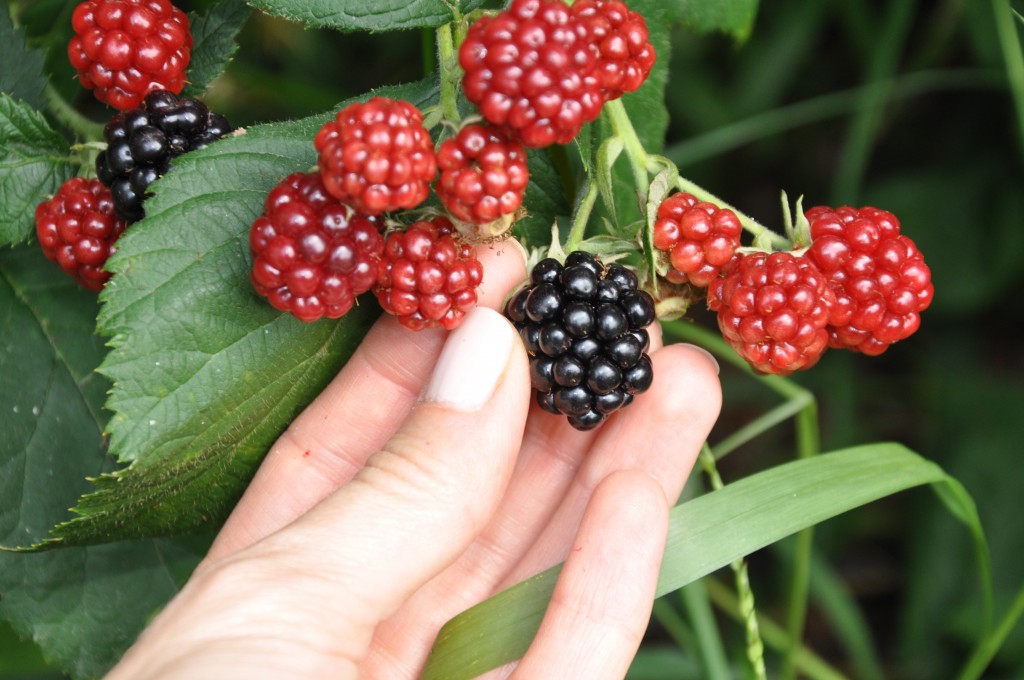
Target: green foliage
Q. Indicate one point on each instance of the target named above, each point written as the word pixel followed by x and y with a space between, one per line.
pixel 214 44
pixel 21 68
pixel 34 162
pixel 362 15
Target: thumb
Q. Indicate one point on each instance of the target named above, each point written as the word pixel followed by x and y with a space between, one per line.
pixel 420 501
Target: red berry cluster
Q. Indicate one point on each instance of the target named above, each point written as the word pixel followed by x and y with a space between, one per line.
pixel 77 229
pixel 319 242
pixel 698 237
pixel 125 49
pixel 541 69
pixel 861 285
pixel 878 275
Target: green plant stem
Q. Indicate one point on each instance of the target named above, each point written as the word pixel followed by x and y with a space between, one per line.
pixel 709 642
pixel 581 217
pixel 755 646
pixel 634 148
pixel 777 241
pixel 450 72
pixel 991 643
pixel 759 425
pixel 809 663
pixel 860 139
pixel 808 444
pixel 83 127
pixel 1012 55
pixel 666 615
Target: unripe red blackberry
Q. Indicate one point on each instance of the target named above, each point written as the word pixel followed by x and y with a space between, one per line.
pixel 483 175
pixel 773 309
pixel 427 277
pixel 141 144
pixel 532 71
pixel 124 49
pixel 77 229
pixel 377 156
pixel 583 326
pixel 879 277
pixel 312 254
pixel 698 237
pixel 625 55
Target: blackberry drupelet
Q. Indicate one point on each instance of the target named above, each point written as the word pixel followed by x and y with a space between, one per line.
pixel 142 142
pixel 583 325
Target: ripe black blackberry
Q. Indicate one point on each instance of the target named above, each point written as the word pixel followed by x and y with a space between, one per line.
pixel 142 142
pixel 583 327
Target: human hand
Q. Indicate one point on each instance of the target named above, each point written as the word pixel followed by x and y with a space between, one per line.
pixel 422 481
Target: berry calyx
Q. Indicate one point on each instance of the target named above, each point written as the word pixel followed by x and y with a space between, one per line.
pixel 583 326
pixel 698 237
pixel 625 55
pixel 427 277
pixel 483 177
pixel 532 70
pixel 377 156
pixel 124 49
pixel 77 229
pixel 141 144
pixel 879 277
pixel 312 254
pixel 773 309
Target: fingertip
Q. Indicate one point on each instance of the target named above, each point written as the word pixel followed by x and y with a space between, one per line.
pixel 504 266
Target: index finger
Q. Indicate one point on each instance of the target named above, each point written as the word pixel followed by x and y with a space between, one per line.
pixel 354 416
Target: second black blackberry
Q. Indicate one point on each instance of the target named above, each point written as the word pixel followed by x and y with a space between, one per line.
pixel 142 142
pixel 583 325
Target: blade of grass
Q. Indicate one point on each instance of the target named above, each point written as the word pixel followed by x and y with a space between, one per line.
pixel 990 644
pixel 709 642
pixel 885 51
pixel 817 109
pixel 705 534
pixel 1009 42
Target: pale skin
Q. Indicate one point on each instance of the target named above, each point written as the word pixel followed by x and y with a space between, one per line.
pixel 421 482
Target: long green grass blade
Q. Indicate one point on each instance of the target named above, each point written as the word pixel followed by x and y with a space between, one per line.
pixel 705 534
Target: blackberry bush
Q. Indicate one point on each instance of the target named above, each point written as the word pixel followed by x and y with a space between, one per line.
pixel 148 407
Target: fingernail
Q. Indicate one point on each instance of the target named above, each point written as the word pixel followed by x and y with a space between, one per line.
pixel 519 248
pixel 472 361
pixel 709 355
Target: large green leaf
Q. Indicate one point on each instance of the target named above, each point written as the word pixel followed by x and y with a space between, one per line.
pixel 706 534
pixel 206 373
pixel 34 162
pixel 214 45
pixel 21 68
pixel 366 15
pixel 82 606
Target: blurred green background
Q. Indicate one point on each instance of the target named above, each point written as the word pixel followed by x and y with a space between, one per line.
pixel 905 105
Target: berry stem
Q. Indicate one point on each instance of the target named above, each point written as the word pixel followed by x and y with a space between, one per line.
pixel 634 148
pixel 581 218
pixel 751 225
pixel 66 114
pixel 447 59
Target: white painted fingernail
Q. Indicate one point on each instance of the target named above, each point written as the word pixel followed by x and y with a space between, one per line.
pixel 472 361
pixel 709 355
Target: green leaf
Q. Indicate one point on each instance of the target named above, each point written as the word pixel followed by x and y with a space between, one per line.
pixel 213 46
pixel 705 534
pixel 360 15
pixel 21 68
pixel 34 162
pixel 734 17
pixel 82 606
pixel 544 201
pixel 206 373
